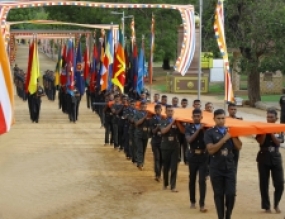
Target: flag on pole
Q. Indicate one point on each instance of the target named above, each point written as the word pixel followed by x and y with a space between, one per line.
pixel 80 78
pixel 104 67
pixel 58 65
pixel 109 52
pixel 63 77
pixel 70 66
pixel 35 70
pixel 133 34
pixel 31 51
pixel 150 62
pixel 219 28
pixel 141 71
pixel 120 64
pixel 86 59
pixel 6 91
pixel 134 67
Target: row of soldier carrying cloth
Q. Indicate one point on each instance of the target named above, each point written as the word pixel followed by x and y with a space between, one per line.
pixel 209 152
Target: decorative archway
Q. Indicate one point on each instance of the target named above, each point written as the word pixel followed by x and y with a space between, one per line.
pixel 186 11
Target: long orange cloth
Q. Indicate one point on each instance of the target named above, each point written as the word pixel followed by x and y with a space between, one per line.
pixel 236 127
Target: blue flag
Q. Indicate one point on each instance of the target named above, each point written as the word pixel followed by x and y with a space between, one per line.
pixel 80 84
pixel 141 72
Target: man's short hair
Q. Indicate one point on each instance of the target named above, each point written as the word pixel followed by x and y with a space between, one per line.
pixel 196 101
pixel 168 107
pixel 184 100
pixel 231 105
pixel 219 112
pixel 272 111
pixel 158 106
pixel 163 96
pixel 196 111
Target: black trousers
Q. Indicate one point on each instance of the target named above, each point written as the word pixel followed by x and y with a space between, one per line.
pixel 170 159
pixel 126 141
pixel 157 159
pixel 200 168
pixel 183 148
pixel 108 130
pixel 278 183
pixel 224 187
pixel 141 144
pixel 36 109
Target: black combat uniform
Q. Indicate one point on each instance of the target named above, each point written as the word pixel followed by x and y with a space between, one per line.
pixel 156 145
pixel 222 172
pixel 132 139
pixel 198 163
pixel 126 112
pixel 269 160
pixel 78 99
pixel 141 136
pixel 183 146
pixel 170 153
pixel 118 109
pixel 282 105
pixel 36 104
pixel 108 124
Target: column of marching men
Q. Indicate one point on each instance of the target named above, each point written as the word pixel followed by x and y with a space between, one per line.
pixel 209 152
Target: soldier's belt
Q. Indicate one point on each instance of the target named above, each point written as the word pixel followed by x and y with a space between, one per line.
pixel 144 128
pixel 270 149
pixel 197 151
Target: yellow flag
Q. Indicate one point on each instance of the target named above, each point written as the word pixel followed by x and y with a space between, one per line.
pixel 35 71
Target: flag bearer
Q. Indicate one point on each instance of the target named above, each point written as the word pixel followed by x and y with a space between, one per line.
pixel 109 120
pixel 117 110
pixel 36 103
pixel 132 138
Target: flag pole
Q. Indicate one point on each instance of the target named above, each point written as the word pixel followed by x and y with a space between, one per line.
pixel 200 51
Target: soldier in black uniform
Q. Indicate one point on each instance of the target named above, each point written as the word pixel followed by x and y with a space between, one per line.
pixel 197 104
pixel 78 99
pixel 108 120
pixel 169 149
pixel 197 158
pixel 141 133
pixel 121 124
pixel 156 142
pixel 209 107
pixel 36 103
pixel 126 112
pixel 232 110
pixel 163 101
pixel 282 106
pixel 132 138
pixel 117 110
pixel 269 160
pixel 184 103
pixel 222 167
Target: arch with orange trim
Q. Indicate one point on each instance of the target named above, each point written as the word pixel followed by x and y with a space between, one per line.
pixel 186 11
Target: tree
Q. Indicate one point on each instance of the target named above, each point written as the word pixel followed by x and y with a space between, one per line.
pixel 257 29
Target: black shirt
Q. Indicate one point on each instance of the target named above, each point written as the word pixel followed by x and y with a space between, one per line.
pixel 169 139
pixel 223 158
pixel 154 122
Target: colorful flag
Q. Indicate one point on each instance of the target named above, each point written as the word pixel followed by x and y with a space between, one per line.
pixel 35 70
pixel 141 71
pixel 6 91
pixel 86 59
pixel 58 65
pixel 134 67
pixel 31 51
pixel 152 39
pixel 109 52
pixel 63 76
pixel 70 66
pixel 93 76
pixel 220 35
pixel 80 78
pixel 120 64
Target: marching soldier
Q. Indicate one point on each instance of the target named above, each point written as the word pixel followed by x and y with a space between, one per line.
pixel 132 138
pixel 117 110
pixel 197 158
pixel 184 103
pixel 232 110
pixel 169 149
pixel 197 104
pixel 220 144
pixel 78 99
pixel 36 103
pixel 156 142
pixel 126 112
pixel 109 120
pixel 122 121
pixel 163 101
pixel 209 107
pixel 141 133
pixel 269 160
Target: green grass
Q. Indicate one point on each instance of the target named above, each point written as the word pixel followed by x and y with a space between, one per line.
pixel 161 87
pixel 264 98
pixel 216 89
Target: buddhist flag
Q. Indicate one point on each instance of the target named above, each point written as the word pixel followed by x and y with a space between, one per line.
pixel 35 71
pixel 6 91
pixel 120 64
pixel 31 51
pixel 221 40
pixel 109 52
pixel 58 66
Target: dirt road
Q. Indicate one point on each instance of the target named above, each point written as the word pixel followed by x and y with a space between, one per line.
pixel 55 169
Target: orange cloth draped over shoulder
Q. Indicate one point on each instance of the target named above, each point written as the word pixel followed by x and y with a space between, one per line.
pixel 236 127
